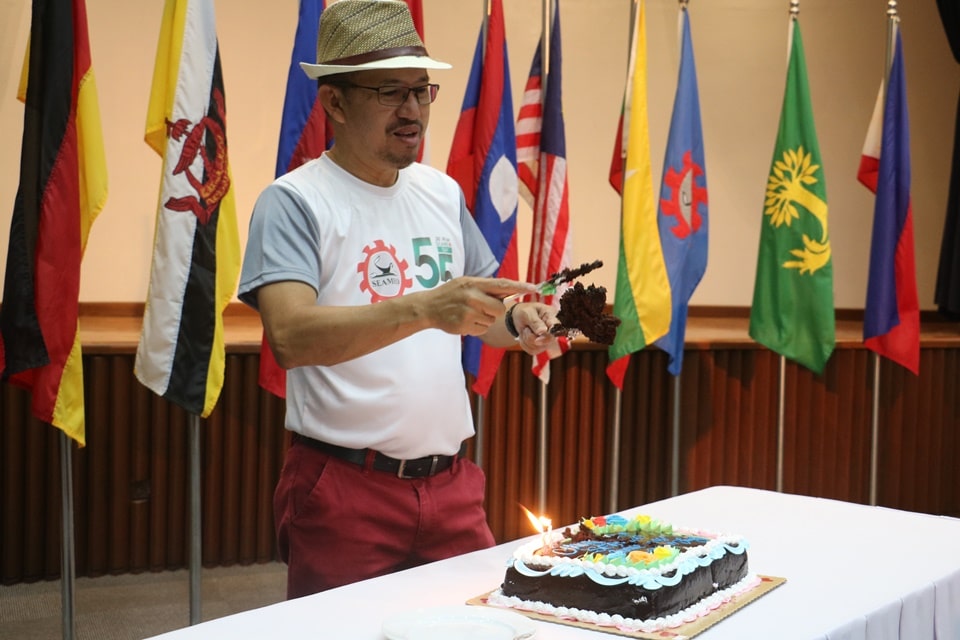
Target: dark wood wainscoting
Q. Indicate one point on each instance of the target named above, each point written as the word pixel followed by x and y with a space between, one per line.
pixel 131 479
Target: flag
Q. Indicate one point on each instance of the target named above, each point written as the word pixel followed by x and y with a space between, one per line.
pixel 196 254
pixel 682 215
pixel 304 132
pixel 947 291
pixel 63 187
pixel 529 127
pixel 792 311
pixel 542 170
pixel 416 12
pixel 304 135
pixel 642 298
pixel 891 318
pixel 483 160
pixel 616 162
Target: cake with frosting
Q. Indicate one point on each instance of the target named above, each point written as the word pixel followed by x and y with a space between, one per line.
pixel 635 574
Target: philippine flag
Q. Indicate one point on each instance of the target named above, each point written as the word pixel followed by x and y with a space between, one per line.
pixel 891 320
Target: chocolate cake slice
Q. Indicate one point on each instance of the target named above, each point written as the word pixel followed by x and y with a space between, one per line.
pixel 582 309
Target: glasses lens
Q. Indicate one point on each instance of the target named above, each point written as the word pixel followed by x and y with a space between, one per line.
pixel 396 96
pixel 429 94
pixel 392 96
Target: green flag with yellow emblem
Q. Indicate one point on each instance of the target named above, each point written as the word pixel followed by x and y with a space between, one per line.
pixel 792 310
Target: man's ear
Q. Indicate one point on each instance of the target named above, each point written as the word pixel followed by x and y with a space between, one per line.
pixel 331 98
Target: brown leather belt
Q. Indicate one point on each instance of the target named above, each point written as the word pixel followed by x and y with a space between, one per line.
pixel 413 468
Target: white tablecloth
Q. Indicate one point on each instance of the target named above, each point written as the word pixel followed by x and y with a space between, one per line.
pixel 853 573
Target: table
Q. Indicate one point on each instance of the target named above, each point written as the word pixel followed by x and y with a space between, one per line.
pixel 854 572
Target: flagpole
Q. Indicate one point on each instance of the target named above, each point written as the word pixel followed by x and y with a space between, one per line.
pixel 67 549
pixel 615 452
pixel 542 450
pixel 480 411
pixel 487 8
pixel 617 426
pixel 675 455
pixel 893 20
pixel 545 8
pixel 675 448
pixel 875 430
pixel 781 386
pixel 195 536
pixel 781 393
pixel 478 440
pixel 542 432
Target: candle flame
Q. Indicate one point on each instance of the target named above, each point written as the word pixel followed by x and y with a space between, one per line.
pixel 541 523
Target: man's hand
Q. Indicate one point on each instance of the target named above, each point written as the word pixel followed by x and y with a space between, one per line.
pixel 533 321
pixel 470 306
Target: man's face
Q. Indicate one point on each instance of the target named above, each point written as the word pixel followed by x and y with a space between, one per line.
pixel 386 135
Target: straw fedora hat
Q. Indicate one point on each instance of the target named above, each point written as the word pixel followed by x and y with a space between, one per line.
pixel 356 35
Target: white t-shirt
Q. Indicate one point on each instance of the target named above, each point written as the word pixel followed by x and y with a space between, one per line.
pixel 356 243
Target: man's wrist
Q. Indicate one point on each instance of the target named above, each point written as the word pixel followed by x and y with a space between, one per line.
pixel 508 323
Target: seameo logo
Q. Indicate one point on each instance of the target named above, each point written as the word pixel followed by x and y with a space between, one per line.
pixel 383 275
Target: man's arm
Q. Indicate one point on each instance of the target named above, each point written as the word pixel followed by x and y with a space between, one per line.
pixel 302 333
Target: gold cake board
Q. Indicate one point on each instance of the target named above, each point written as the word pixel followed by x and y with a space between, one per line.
pixel 686 630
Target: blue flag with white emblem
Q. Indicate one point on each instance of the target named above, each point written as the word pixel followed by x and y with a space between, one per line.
pixel 483 161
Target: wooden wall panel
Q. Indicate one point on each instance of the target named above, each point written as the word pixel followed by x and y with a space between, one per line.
pixel 509 441
pixel 920 434
pixel 646 415
pixel 827 428
pixel 130 482
pixel 728 419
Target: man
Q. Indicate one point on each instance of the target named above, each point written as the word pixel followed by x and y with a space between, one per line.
pixel 367 270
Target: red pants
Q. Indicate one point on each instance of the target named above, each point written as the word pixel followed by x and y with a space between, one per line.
pixel 338 522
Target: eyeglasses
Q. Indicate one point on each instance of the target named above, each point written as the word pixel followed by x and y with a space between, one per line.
pixel 394 96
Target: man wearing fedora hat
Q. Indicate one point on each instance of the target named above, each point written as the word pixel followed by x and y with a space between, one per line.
pixel 367 269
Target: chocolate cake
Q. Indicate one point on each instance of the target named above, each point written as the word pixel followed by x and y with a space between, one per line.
pixel 638 574
pixel 582 309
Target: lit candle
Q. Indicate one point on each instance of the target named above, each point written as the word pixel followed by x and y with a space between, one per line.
pixel 546 526
pixel 542 524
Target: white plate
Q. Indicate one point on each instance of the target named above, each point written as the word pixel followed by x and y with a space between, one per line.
pixel 463 622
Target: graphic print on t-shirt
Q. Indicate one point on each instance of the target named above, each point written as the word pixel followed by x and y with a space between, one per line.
pixel 384 273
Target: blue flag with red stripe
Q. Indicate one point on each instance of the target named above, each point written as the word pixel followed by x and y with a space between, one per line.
pixel 682 212
pixel 300 99
pixel 483 160
pixel 304 135
pixel 891 318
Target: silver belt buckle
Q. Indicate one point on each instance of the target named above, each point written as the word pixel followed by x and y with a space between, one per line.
pixel 434 461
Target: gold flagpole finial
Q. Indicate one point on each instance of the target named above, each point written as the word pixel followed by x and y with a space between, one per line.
pixel 794 9
pixel 684 4
pixel 892 9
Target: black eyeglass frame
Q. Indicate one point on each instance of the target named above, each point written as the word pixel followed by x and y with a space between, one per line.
pixel 425 93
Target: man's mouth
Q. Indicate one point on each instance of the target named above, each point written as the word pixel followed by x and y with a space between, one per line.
pixel 409 132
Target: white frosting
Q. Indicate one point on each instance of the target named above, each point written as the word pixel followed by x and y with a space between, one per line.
pixel 698 610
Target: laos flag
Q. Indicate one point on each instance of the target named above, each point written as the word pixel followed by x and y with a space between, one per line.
pixel 483 160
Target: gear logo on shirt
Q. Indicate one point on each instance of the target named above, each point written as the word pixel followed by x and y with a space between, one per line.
pixel 383 274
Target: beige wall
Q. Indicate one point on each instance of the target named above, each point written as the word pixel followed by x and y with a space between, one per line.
pixel 741 55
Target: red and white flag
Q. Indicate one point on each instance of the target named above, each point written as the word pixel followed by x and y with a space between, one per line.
pixel 542 170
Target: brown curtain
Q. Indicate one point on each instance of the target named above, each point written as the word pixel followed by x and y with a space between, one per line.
pixel 947 295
